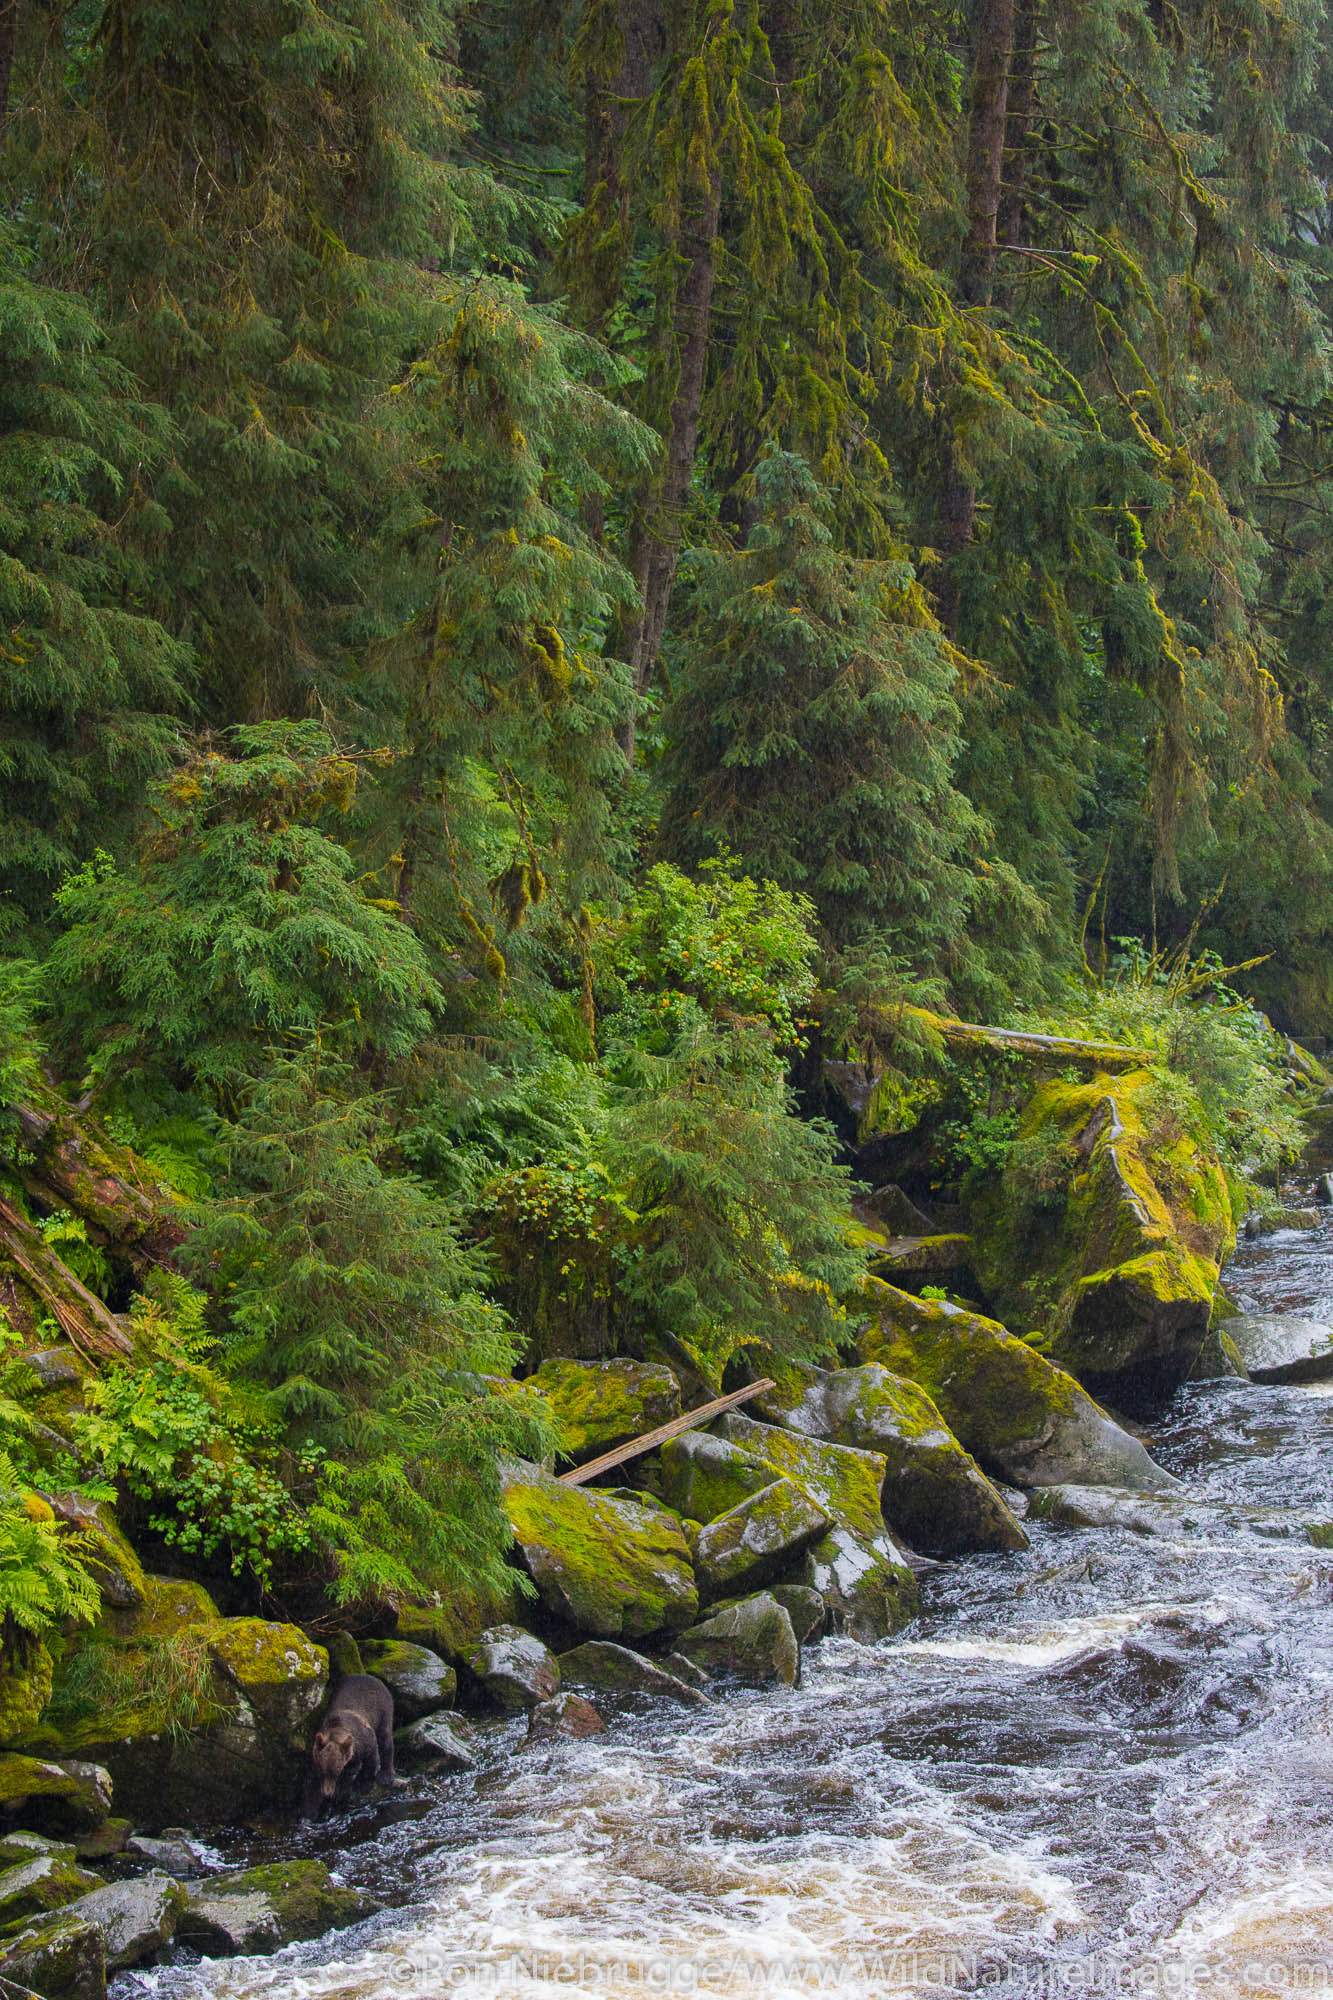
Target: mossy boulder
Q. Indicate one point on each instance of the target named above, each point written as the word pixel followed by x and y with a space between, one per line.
pixel 262 1909
pixel 33 1888
pixel 945 1255
pixel 20 1845
pixel 417 1678
pixel 752 1641
pixel 106 1551
pixel 846 1483
pixel 1105 1233
pixel 62 1957
pixel 137 1918
pixel 600 1404
pixel 280 1674
pixel 511 1669
pixel 623 1676
pixel 233 1742
pixel 934 1494
pixel 867 1588
pixel 754 1542
pixel 66 1795
pixel 25 1690
pixel 167 1604
pixel 1219 1358
pixel 1026 1420
pixel 703 1476
pixel 610 1566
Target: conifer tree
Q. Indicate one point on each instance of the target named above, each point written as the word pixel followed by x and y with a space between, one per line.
pixel 814 728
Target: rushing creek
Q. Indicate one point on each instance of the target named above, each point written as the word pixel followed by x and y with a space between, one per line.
pixel 1103 1766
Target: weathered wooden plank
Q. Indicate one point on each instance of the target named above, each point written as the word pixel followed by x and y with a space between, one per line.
pixel 637 1446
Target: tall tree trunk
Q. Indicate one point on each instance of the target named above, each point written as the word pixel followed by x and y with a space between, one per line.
pixel 9 21
pixel 985 180
pixel 1017 141
pixel 985 148
pixel 657 548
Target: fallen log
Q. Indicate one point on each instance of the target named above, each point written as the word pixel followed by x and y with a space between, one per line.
pixel 637 1446
pixel 971 1035
pixel 75 1167
pixel 81 1315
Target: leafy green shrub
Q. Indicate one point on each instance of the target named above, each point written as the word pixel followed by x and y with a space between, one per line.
pixel 205 1461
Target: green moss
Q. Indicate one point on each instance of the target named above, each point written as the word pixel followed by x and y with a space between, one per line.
pixel 755 1541
pixel 920 1255
pixel 846 1483
pixel 616 1568
pixel 25 1690
pixel 602 1404
pixel 704 1476
pixel 37 1887
pixel 169 1604
pixel 23 1778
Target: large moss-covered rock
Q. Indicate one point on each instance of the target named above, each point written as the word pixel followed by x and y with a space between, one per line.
pixel 600 1404
pixel 616 1673
pixel 417 1678
pixel 66 1794
pixel 106 1552
pixel 945 1255
pixel 237 1744
pixel 279 1672
pixel 754 1543
pixel 263 1909
pixel 137 1918
pixel 1105 1233
pixel 867 1589
pixel 512 1669
pixel 934 1493
pixel 613 1567
pixel 454 1620
pixel 1021 1416
pixel 62 1957
pixel 47 1882
pixel 845 1482
pixel 703 1476
pixel 752 1641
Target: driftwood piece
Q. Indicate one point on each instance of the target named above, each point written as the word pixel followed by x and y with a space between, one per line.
pixel 637 1446
pixel 84 1319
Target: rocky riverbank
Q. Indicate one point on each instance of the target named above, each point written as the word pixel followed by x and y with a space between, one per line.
pixel 1089 1265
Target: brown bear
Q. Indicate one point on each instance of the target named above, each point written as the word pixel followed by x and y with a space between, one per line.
pixel 356 1738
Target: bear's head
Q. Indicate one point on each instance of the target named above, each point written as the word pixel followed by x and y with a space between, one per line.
pixel 330 1753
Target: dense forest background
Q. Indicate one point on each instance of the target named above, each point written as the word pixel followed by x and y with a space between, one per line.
pixel 556 557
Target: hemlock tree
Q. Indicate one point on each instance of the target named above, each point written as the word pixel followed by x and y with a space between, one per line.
pixel 814 731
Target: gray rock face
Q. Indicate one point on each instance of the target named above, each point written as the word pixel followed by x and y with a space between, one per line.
pixel 753 1543
pixel 752 1641
pixel 868 1590
pixel 935 1494
pixel 1281 1347
pixel 804 1606
pixel 897 1212
pixel 437 1743
pixel 1071 1506
pixel 418 1679
pixel 175 1853
pixel 617 1672
pixel 263 1909
pixel 137 1918
pixel 61 1958
pixel 1219 1359
pixel 612 1567
pixel 566 1716
pixel 515 1670
pixel 46 1882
